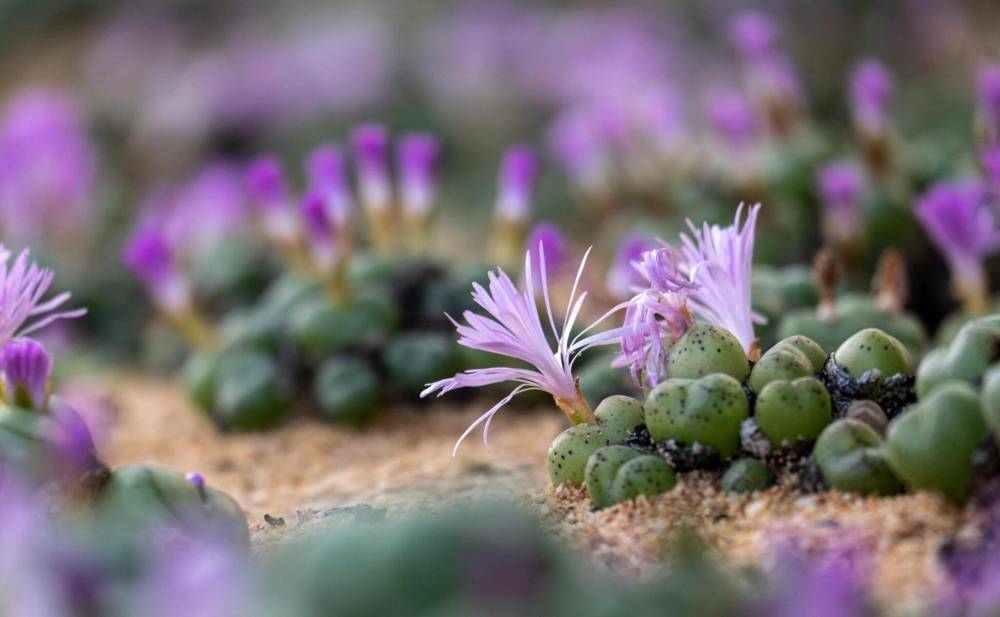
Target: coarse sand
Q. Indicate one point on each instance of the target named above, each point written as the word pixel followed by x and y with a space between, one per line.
pixel 308 471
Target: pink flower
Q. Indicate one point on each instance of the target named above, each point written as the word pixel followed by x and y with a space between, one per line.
pixel 26 369
pixel 709 277
pixel 513 328
pixel 623 277
pixel 22 286
pixel 719 261
pixel 956 217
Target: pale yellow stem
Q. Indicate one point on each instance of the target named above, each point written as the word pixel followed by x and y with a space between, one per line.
pixel 576 408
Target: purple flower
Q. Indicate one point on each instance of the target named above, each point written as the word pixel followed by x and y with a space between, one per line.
pixel 719 261
pixel 25 532
pixel 513 328
pixel 655 316
pixel 48 168
pixel 265 181
pixel 656 113
pixel 624 278
pixel 210 207
pixel 70 443
pixel 417 157
pixel 321 231
pixel 196 479
pixel 579 140
pixel 708 276
pixel 326 171
pixel 823 585
pixel 518 174
pixel 547 243
pixel 991 165
pixel 841 185
pixel 370 144
pixel 151 259
pixel 988 90
pixel 733 118
pixel 956 218
pixel 197 573
pixel 753 34
pixel 871 90
pixel 22 286
pixel 26 369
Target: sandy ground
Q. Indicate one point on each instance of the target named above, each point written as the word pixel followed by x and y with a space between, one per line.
pixel 308 470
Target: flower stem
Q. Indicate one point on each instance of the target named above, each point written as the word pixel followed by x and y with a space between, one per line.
pixel 381 224
pixel 507 241
pixel 576 408
pixel 194 328
pixel 972 291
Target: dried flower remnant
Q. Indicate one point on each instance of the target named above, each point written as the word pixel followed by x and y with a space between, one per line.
pixel 417 157
pixel 23 284
pixel 513 328
pixel 370 147
pixel 958 221
pixel 26 369
pixel 515 190
pixel 152 260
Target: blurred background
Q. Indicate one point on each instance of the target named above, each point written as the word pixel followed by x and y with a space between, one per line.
pixel 110 109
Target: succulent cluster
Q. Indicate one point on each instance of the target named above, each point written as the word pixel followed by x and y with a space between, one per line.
pixel 336 325
pixel 854 416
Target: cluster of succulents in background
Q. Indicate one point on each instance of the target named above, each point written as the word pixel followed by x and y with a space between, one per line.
pixel 354 321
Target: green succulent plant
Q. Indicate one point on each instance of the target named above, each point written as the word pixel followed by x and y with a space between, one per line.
pixel 930 447
pixel 251 392
pixel 990 399
pixel 412 360
pixel 706 349
pixel 570 450
pixel 966 358
pixel 850 314
pixel 784 361
pixel 746 475
pixel 347 390
pixel 144 495
pixel 602 469
pixel 619 413
pixel 850 456
pixel 790 410
pixel 320 329
pixel 873 349
pixel 708 410
pixel 643 475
